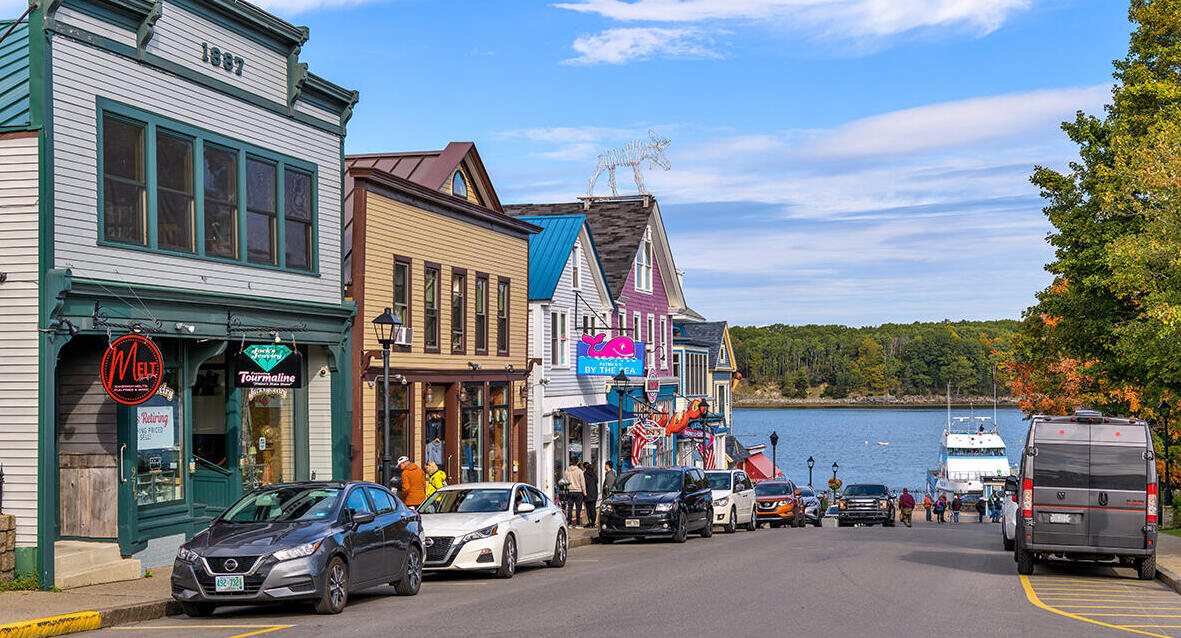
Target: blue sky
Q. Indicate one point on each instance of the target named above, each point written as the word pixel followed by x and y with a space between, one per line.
pixel 833 161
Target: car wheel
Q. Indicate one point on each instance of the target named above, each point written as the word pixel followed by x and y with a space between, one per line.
pixel 198 610
pixel 753 524
pixel 411 580
pixel 731 526
pixel 818 522
pixel 508 559
pixel 1009 543
pixel 682 532
pixel 1024 562
pixel 1146 567
pixel 336 588
pixel 708 530
pixel 889 522
pixel 560 547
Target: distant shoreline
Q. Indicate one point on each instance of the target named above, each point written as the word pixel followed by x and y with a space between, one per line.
pixel 873 402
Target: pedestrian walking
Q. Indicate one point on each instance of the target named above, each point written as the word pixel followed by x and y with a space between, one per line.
pixel 940 508
pixel 997 507
pixel 576 493
pixel 609 477
pixel 956 505
pixel 927 505
pixel 591 480
pixel 413 490
pixel 435 478
pixel 906 506
pixel 980 507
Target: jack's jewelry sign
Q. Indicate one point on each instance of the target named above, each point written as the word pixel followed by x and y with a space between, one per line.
pixel 268 366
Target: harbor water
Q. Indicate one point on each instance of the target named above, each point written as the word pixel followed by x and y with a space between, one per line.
pixel 850 436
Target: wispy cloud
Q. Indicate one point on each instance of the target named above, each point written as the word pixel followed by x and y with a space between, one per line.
pixel 620 46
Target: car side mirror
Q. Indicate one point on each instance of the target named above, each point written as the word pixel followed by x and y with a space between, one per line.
pixel 525 508
pixel 360 518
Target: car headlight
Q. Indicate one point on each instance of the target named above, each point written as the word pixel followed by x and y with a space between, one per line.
pixel 722 502
pixel 665 507
pixel 480 533
pixel 784 503
pixel 883 504
pixel 298 552
pixel 841 505
pixel 184 554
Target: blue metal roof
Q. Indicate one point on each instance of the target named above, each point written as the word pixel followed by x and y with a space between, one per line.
pixel 14 75
pixel 550 249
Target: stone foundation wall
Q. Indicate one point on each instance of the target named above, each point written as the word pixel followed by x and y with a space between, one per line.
pixel 7 547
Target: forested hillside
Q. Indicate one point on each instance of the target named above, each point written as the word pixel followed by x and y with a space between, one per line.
pixel 914 359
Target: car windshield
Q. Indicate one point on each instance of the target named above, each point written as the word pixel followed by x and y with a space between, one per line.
pixel 466 500
pixel 865 490
pixel 807 491
pixel 284 504
pixel 649 481
pixel 772 489
pixel 718 480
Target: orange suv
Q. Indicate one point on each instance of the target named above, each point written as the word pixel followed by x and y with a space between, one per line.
pixel 778 503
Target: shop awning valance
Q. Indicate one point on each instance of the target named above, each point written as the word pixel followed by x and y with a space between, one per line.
pixel 605 413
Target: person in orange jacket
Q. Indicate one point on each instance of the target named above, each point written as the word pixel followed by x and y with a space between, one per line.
pixel 413 490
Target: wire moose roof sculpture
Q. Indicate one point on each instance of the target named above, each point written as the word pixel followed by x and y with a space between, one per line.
pixel 633 154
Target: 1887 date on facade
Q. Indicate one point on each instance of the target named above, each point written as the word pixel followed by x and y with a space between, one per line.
pixel 223 59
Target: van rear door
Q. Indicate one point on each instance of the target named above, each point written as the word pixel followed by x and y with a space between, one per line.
pixel 1119 480
pixel 1061 483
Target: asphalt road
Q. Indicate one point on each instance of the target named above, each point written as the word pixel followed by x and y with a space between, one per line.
pixel 925 581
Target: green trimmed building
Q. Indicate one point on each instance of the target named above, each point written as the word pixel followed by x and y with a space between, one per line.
pixel 168 169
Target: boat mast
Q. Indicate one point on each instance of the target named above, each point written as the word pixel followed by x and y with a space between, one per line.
pixel 949 406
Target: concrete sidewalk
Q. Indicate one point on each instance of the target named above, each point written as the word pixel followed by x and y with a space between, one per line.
pixel 31 614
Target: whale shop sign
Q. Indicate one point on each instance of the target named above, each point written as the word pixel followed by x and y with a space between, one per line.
pixel 268 366
pixel 600 357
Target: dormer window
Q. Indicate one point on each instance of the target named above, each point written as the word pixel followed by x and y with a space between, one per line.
pixel 458 185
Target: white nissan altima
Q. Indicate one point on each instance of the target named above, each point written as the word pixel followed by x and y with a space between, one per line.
pixel 493 526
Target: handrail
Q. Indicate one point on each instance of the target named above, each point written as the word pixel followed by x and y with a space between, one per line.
pixel 213 466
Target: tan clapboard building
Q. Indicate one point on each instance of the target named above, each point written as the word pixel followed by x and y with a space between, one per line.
pixel 426 236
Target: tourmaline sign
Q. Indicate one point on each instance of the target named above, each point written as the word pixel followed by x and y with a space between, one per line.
pixel 268 366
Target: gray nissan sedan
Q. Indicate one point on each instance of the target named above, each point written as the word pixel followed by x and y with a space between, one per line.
pixel 315 541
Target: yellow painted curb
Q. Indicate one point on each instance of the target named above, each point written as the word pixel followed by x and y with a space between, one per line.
pixel 52 626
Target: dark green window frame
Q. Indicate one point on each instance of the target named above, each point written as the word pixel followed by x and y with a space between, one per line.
pixel 283 163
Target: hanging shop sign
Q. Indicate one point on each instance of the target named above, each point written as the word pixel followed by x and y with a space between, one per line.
pixel 652 386
pixel 599 357
pixel 268 366
pixel 132 369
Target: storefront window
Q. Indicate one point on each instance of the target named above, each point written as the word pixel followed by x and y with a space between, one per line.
pixel 574 446
pixel 158 425
pixel 209 413
pixel 399 421
pixel 434 426
pixel 268 417
pixel 560 455
pixel 471 436
pixel 498 430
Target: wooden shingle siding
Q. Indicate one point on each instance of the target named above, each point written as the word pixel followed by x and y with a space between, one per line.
pixel 18 332
pixel 75 18
pixel 179 34
pixel 319 416
pixel 79 71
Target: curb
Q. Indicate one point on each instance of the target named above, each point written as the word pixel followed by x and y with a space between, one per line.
pixel 90 620
pixel 1169 578
pixel 581 541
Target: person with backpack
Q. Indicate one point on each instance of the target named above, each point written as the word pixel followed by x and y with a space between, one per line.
pixel 956 505
pixel 940 508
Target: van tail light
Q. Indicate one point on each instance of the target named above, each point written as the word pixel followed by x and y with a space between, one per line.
pixel 1150 503
pixel 1027 498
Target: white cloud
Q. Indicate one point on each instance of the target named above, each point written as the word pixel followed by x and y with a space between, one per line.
pixel 566 134
pixel 620 46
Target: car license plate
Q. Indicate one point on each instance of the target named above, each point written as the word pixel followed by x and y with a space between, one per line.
pixel 228 584
pixel 632 522
pixel 1059 518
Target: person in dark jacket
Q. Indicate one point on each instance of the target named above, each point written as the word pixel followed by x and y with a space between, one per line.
pixel 592 493
pixel 980 509
pixel 956 505
pixel 906 506
pixel 609 478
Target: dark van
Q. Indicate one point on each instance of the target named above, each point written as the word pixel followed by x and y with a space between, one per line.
pixel 657 501
pixel 1087 490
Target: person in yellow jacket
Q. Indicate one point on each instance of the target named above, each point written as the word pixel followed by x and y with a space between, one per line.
pixel 435 478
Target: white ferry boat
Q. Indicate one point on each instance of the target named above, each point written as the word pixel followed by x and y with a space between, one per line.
pixel 970 451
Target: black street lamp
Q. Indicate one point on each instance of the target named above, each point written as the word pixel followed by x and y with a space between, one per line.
pixel 774 455
pixel 835 467
pixel 811 464
pixel 383 329
pixel 1163 411
pixel 621 386
pixel 703 410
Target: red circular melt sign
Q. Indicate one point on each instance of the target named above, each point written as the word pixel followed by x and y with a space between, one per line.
pixel 132 369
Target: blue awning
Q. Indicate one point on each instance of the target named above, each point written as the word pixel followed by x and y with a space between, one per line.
pixel 605 413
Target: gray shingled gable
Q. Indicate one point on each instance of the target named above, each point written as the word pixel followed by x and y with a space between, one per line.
pixel 711 332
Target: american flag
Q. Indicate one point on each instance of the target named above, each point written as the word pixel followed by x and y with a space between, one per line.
pixel 709 451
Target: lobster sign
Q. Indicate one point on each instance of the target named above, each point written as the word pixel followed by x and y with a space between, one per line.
pixel 598 356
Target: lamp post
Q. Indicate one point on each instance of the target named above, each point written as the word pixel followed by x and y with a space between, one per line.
pixel 811 464
pixel 703 409
pixel 835 467
pixel 774 455
pixel 383 329
pixel 621 386
pixel 1163 411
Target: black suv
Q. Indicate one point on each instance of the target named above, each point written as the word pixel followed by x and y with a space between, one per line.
pixel 657 501
pixel 866 503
